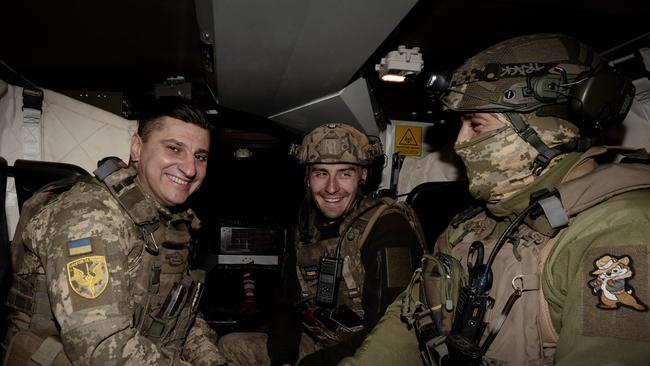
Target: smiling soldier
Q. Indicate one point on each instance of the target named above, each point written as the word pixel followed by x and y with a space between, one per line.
pixel 101 273
pixel 351 259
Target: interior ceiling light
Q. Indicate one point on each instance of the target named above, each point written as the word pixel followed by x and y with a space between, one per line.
pixel 397 65
pixel 243 153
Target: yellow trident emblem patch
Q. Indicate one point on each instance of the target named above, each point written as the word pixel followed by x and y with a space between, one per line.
pixel 88 276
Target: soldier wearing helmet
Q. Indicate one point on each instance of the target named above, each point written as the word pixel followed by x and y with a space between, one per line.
pixel 353 255
pixel 554 268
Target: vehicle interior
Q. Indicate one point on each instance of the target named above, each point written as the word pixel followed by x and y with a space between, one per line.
pixel 266 73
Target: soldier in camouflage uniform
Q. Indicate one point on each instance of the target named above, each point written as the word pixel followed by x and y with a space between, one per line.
pixel 565 279
pixel 101 273
pixel 373 243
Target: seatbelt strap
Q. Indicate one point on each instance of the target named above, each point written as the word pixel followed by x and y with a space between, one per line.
pixel 32 127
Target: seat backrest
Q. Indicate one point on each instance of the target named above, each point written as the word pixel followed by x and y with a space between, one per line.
pixel 436 203
pixel 5 257
pixel 4 230
pixel 31 175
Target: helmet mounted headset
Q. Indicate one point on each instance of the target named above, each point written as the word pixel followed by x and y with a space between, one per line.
pixel 548 74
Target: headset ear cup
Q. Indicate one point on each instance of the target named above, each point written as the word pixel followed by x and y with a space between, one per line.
pixel 601 99
pixel 577 97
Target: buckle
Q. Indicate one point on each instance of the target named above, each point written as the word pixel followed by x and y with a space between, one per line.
pixel 541 162
pixel 32 98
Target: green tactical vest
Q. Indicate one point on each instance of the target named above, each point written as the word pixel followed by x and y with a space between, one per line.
pixel 165 292
pixel 527 337
pixel 353 232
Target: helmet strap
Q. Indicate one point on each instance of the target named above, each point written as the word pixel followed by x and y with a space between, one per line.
pixel 528 134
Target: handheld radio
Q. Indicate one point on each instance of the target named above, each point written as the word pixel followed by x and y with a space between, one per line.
pixel 329 274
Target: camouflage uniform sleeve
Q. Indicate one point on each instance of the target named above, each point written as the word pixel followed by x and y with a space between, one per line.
pixel 597 284
pixel 390 342
pixel 200 347
pixel 83 241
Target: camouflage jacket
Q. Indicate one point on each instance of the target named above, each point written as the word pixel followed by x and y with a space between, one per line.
pixel 590 280
pixel 565 274
pixel 81 254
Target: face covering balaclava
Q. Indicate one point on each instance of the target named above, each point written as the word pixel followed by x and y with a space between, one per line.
pixel 499 162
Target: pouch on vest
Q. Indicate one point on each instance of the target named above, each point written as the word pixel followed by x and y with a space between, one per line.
pixel 431 310
pixel 35 348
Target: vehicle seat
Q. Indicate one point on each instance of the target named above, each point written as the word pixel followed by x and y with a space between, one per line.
pixel 5 262
pixel 31 175
pixel 436 203
pixel 5 267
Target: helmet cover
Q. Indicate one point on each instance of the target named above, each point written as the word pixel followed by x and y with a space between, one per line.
pixel 336 143
pixel 498 78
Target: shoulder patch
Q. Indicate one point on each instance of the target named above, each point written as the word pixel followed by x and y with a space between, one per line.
pixel 611 283
pixel 88 276
pixel 615 281
pixel 79 247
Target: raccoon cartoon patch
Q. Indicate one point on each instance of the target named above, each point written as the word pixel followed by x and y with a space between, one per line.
pixel 611 284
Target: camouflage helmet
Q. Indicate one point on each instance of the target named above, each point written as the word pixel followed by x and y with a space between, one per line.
pixel 336 143
pixel 504 76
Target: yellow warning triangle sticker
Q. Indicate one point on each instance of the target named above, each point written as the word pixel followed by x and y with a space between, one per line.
pixel 408 139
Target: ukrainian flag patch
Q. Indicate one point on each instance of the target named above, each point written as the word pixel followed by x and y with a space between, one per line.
pixel 79 247
pixel 310 271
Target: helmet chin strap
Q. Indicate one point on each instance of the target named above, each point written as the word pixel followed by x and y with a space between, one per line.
pixel 546 154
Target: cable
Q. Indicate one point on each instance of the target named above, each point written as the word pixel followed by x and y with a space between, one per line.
pixel 624 44
pixel 27 81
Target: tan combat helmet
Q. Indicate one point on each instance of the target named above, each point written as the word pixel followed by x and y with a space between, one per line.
pixel 550 82
pixel 521 74
pixel 334 143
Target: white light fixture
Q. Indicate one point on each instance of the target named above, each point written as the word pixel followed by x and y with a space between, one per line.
pixel 242 153
pixel 397 65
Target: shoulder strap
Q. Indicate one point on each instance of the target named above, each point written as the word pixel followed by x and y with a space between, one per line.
pixel 388 205
pixel 589 189
pixel 603 183
pixel 119 179
pixel 372 220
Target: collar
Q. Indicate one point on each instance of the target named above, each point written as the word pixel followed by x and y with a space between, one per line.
pixel 518 202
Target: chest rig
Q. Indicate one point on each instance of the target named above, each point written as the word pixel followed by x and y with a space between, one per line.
pixel 525 332
pixel 164 292
pixel 352 234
